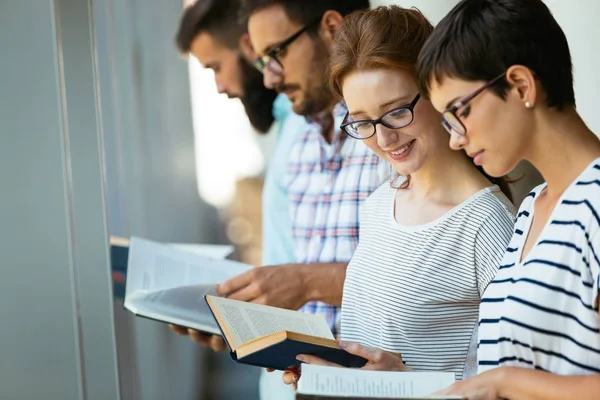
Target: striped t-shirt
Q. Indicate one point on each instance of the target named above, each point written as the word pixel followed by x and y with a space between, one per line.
pixel 415 290
pixel 541 311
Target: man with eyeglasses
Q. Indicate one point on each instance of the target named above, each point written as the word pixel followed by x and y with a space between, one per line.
pixel 327 176
pixel 211 31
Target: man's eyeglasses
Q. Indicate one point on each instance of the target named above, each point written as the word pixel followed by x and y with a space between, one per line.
pixel 450 120
pixel 396 118
pixel 271 60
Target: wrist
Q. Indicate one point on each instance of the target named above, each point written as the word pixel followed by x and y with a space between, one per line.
pixel 307 289
pixel 502 376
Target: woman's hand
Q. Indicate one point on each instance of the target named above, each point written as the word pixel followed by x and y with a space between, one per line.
pixel 480 387
pixel 377 360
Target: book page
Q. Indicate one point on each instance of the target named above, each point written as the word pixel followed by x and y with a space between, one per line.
pixel 215 251
pixel 184 306
pixel 247 321
pixel 332 381
pixel 154 266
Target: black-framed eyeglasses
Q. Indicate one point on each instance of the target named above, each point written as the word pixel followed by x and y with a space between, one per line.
pixel 271 60
pixel 450 120
pixel 395 118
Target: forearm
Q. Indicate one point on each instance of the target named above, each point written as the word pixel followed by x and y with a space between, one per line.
pixel 525 384
pixel 324 282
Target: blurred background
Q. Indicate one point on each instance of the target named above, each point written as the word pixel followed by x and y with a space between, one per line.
pixel 106 130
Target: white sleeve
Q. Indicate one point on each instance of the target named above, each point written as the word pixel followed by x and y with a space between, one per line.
pixel 491 241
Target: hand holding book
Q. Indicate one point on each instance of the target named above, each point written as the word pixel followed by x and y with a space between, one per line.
pixel 479 387
pixel 214 342
pixel 377 360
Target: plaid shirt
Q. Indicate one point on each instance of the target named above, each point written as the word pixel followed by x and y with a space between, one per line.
pixel 326 184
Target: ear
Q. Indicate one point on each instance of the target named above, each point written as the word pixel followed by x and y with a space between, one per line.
pixel 246 48
pixel 522 79
pixel 330 22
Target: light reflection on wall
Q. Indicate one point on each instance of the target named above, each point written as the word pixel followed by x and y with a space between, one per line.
pixel 226 145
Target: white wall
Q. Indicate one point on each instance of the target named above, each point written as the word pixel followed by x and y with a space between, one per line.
pixel 580 23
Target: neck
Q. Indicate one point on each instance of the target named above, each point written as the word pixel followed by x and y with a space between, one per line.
pixel 445 175
pixel 326 121
pixel 562 146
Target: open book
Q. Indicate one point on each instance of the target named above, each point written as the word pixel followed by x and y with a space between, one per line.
pixel 168 283
pixel 323 383
pixel 119 254
pixel 272 337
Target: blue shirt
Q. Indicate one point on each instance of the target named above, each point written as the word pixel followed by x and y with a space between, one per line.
pixel 277 241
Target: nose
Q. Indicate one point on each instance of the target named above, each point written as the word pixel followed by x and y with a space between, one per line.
pixel 221 86
pixel 385 137
pixel 221 89
pixel 270 79
pixel 458 142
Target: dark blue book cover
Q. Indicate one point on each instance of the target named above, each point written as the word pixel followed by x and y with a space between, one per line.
pixel 281 354
pixel 119 253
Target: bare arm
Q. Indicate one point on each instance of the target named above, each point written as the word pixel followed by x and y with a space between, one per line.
pixel 526 384
pixel 537 385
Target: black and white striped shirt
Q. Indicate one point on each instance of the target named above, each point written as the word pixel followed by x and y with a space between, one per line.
pixel 541 311
pixel 415 290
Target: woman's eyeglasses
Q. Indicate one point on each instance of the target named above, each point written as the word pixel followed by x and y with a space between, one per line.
pixel 396 118
pixel 450 120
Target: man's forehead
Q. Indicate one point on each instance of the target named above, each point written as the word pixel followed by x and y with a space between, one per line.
pixel 270 26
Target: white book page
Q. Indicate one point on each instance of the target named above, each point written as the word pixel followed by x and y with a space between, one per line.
pixel 184 306
pixel 215 251
pixel 332 381
pixel 247 321
pixel 154 266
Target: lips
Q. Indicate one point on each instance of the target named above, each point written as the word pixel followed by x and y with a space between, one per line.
pixel 402 152
pixel 477 157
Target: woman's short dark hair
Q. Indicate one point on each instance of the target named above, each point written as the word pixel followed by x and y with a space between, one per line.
pixel 479 39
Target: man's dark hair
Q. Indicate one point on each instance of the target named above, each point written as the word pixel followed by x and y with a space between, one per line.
pixel 302 11
pixel 480 39
pixel 217 17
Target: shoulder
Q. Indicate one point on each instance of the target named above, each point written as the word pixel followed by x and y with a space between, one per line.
pixel 382 197
pixel 492 204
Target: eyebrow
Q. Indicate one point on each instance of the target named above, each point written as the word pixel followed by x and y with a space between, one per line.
pixel 451 102
pixel 272 47
pixel 384 105
pixel 211 65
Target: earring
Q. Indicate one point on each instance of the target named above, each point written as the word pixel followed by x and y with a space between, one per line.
pixel 528 104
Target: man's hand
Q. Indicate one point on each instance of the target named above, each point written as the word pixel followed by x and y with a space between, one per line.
pixel 278 286
pixel 288 286
pixel 216 343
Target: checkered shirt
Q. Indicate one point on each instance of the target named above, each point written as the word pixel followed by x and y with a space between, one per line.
pixel 326 184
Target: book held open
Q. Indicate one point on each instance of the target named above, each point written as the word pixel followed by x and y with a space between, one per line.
pixel 324 383
pixel 168 283
pixel 272 337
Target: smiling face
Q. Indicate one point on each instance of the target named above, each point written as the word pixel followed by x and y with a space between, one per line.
pixel 371 93
pixel 304 61
pixel 498 132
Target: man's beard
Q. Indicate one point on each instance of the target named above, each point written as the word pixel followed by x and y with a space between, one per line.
pixel 257 99
pixel 318 96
